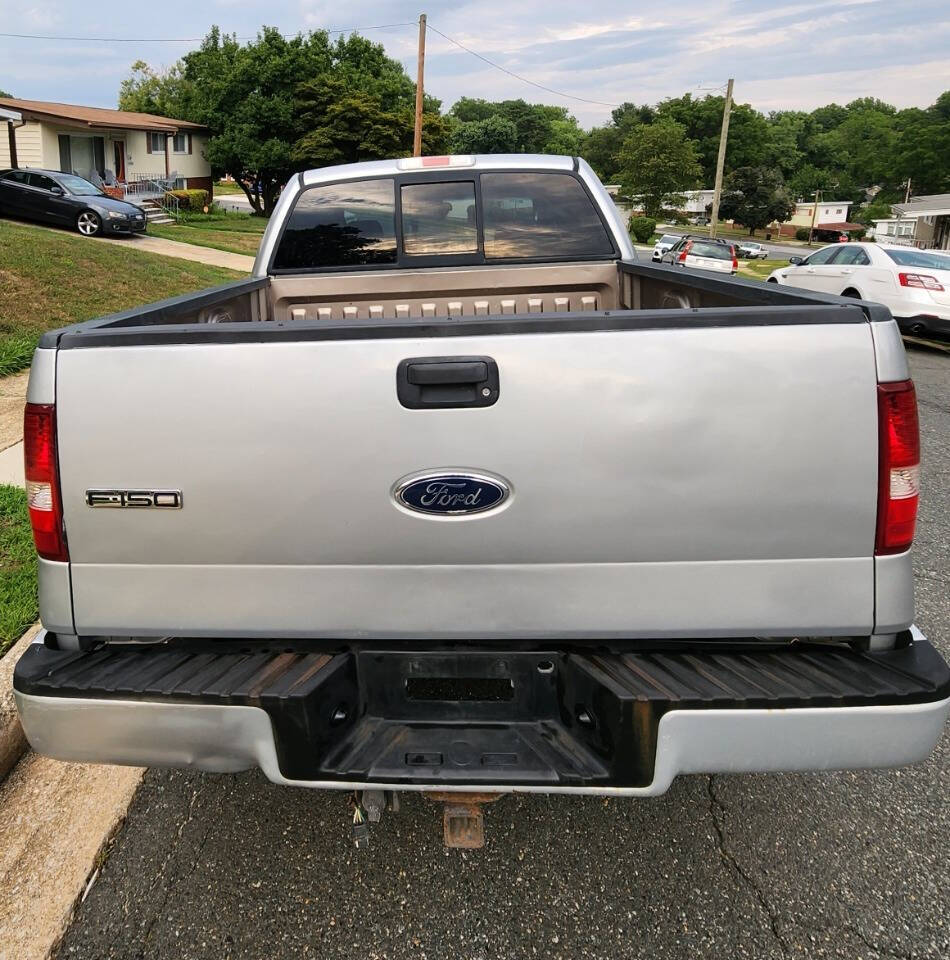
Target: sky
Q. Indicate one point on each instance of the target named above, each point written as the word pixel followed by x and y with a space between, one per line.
pixel 786 54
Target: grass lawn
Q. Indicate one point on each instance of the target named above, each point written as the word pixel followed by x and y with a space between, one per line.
pixel 18 601
pixel 234 232
pixel 759 269
pixel 51 278
pixel 227 187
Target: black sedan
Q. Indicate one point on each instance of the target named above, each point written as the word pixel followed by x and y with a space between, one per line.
pixel 66 199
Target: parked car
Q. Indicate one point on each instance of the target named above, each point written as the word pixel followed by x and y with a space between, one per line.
pixel 703 253
pixel 63 198
pixel 579 523
pixel 749 250
pixel 699 221
pixel 913 284
pixel 665 242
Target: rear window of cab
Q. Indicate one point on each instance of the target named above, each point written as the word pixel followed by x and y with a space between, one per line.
pixel 380 222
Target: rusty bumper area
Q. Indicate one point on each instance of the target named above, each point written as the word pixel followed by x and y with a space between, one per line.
pixel 478 717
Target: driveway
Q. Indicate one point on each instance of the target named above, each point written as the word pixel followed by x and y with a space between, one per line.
pixel 850 865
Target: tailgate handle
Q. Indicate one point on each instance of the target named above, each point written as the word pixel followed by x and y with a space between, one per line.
pixel 434 383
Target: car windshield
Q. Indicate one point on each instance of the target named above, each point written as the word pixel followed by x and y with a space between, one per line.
pixel 919 258
pixel 78 186
pixel 668 238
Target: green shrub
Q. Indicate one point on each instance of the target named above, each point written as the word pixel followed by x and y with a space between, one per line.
pixel 642 228
pixel 190 199
pixel 802 233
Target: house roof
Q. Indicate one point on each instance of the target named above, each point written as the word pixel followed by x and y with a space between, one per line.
pixel 934 204
pixel 95 116
pixel 10 115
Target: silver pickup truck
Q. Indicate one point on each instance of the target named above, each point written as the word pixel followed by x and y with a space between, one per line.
pixel 455 493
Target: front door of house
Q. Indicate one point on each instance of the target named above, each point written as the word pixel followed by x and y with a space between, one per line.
pixel 118 147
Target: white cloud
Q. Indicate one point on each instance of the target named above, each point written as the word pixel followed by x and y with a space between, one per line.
pixel 790 54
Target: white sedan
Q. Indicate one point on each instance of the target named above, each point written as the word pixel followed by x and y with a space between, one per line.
pixel 913 284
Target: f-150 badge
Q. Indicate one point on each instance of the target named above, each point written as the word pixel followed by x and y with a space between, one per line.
pixel 162 499
pixel 451 494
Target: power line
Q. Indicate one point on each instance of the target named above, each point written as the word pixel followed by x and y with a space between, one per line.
pixel 379 26
pixel 35 36
pixel 511 73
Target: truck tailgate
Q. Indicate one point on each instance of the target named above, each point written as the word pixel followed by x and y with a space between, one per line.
pixel 682 481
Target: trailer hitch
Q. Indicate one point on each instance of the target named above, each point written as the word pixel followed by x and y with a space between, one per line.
pixel 463 820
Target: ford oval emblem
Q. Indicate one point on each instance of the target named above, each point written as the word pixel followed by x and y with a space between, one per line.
pixel 451 494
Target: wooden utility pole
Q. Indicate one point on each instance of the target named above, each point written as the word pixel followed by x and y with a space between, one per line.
pixel 420 75
pixel 814 216
pixel 721 160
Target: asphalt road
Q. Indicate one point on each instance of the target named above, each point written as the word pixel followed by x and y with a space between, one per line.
pixel 851 865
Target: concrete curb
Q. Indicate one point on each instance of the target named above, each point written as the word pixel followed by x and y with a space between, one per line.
pixel 12 740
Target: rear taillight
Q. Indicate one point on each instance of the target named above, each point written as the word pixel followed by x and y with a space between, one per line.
pixel 684 252
pixel 899 459
pixel 735 259
pixel 42 481
pixel 921 281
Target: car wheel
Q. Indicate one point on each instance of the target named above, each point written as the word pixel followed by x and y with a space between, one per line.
pixel 917 329
pixel 88 223
pixel 851 292
pixel 771 280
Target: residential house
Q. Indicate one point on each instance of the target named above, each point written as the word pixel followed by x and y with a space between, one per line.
pixel 136 148
pixel 921 222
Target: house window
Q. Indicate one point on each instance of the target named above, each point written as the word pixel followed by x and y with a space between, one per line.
pixel 156 143
pixel 838 210
pixel 181 143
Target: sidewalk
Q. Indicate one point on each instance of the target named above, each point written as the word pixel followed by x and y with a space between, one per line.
pixel 184 251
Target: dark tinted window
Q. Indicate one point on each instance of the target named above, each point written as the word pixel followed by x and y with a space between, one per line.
pixel 543 215
pixel 41 181
pixel 340 225
pixel 919 258
pixel 439 218
pixel 17 176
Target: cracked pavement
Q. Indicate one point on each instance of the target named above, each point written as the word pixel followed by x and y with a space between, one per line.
pixel 847 865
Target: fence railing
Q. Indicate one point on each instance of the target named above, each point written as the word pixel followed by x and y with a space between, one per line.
pixel 156 190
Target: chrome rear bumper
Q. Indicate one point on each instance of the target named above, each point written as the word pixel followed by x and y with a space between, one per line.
pixel 627 750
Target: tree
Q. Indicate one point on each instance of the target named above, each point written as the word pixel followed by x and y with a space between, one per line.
pixel 755 196
pixel 347 124
pixel 601 149
pixel 538 127
pixel 657 163
pixel 275 104
pixel 702 120
pixel 151 91
pixel 493 134
pixel 8 96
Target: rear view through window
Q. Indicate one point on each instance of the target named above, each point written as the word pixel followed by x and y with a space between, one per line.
pixel 529 215
pixel 340 225
pixel 439 218
pixel 521 215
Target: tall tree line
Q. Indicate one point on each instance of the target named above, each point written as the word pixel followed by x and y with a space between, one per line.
pixel 276 105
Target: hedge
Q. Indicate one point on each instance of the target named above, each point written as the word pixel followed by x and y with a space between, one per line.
pixel 802 234
pixel 190 199
pixel 642 228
